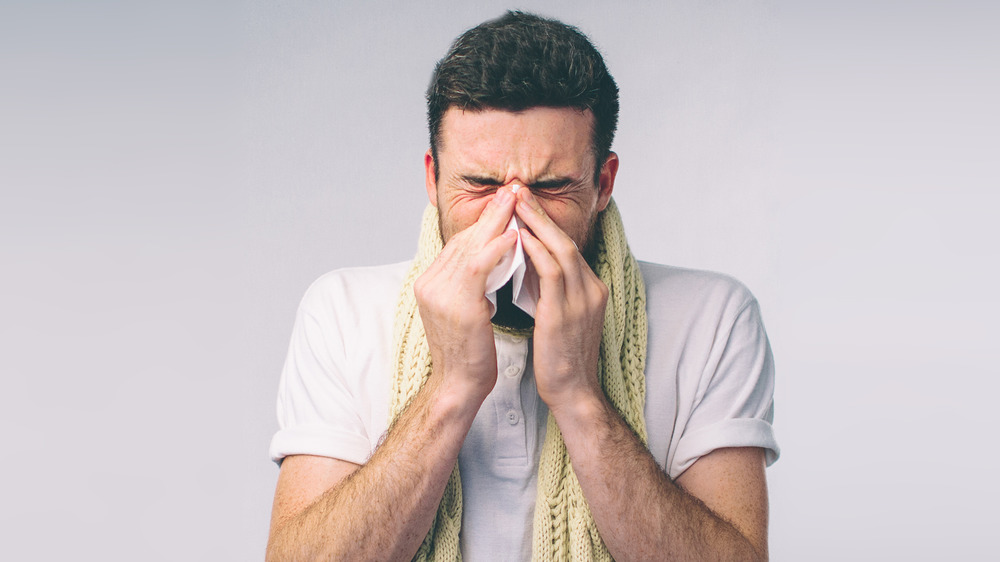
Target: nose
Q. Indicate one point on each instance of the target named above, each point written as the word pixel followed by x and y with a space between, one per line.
pixel 511 187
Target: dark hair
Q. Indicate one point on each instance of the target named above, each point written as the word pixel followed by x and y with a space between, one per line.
pixel 521 61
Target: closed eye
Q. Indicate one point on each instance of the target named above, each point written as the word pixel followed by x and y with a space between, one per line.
pixel 482 182
pixel 551 185
pixel 557 186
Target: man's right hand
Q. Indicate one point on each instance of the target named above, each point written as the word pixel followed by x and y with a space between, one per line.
pixel 453 305
pixel 330 509
pixel 334 510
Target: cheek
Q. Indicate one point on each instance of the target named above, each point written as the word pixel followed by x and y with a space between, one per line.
pixel 568 215
pixel 464 210
pixel 470 204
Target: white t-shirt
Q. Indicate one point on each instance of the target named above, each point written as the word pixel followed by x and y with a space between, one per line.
pixel 709 384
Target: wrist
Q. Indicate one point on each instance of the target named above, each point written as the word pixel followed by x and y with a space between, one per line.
pixel 580 409
pixel 455 397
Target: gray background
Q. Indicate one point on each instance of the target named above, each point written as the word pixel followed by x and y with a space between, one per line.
pixel 174 175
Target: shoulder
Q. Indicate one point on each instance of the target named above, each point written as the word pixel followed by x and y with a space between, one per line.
pixel 699 321
pixel 355 290
pixel 333 394
pixel 688 294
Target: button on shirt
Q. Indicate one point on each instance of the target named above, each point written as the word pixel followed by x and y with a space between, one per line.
pixel 499 459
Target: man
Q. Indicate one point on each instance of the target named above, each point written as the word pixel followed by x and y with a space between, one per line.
pixel 623 413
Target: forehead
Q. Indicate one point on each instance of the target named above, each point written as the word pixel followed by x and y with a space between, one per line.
pixel 536 140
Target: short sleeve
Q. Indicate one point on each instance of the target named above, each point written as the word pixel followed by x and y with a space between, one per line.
pixel 316 409
pixel 733 405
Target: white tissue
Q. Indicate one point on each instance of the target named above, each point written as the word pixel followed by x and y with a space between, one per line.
pixel 514 265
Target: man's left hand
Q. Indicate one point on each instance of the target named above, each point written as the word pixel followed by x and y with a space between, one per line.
pixel 569 318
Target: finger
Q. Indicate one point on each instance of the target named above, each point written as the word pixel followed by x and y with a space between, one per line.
pixel 543 227
pixel 479 261
pixel 467 281
pixel 487 259
pixel 494 218
pixel 462 278
pixel 562 248
pixel 550 274
pixel 445 257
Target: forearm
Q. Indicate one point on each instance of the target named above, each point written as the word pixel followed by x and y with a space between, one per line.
pixel 384 509
pixel 640 513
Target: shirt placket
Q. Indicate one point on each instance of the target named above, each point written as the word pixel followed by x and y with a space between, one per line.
pixel 511 443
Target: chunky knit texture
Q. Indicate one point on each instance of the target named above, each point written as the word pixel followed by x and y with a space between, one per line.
pixel 563 526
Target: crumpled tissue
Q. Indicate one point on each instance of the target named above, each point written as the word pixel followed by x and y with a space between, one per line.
pixel 514 265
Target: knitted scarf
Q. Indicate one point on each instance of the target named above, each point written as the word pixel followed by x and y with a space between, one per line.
pixel 563 526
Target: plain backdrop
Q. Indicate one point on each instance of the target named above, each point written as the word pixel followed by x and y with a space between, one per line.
pixel 175 174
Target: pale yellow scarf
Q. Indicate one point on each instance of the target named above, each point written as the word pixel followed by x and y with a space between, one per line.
pixel 563 526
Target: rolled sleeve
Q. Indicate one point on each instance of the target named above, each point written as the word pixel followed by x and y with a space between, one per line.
pixel 317 412
pixel 733 405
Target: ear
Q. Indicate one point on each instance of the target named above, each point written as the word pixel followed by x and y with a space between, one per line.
pixel 606 181
pixel 429 180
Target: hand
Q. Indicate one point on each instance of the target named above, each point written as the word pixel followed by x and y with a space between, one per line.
pixel 452 302
pixel 569 319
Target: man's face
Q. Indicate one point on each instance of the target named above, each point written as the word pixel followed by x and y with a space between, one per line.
pixel 548 150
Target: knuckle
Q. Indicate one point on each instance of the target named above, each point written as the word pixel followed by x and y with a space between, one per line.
pixel 473 268
pixel 550 270
pixel 421 293
pixel 566 252
pixel 603 289
pixel 602 293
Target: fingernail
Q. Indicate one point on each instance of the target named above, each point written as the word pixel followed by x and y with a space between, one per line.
pixel 527 205
pixel 503 196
